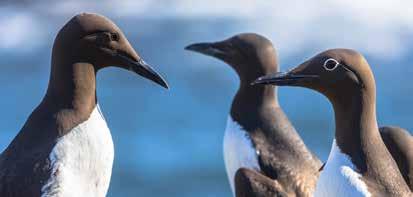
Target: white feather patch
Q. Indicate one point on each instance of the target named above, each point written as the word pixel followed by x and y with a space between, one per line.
pixel 339 177
pixel 82 160
pixel 238 151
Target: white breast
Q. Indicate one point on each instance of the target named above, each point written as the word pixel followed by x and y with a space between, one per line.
pixel 238 151
pixel 339 177
pixel 82 160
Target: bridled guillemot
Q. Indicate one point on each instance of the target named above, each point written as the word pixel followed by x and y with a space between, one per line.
pixel 359 163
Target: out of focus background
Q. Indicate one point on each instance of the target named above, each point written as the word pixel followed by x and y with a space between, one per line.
pixel 169 143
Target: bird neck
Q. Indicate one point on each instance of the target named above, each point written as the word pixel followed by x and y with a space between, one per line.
pixel 72 91
pixel 73 86
pixel 249 100
pixel 356 127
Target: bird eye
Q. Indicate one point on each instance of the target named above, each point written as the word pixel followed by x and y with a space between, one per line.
pixel 330 64
pixel 114 37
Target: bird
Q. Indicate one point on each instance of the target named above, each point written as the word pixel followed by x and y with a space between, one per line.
pixel 399 142
pixel 260 144
pixel 359 163
pixel 65 147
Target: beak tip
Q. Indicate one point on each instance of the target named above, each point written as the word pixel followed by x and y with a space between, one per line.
pixel 258 81
pixel 165 85
pixel 158 79
pixel 254 82
pixel 191 47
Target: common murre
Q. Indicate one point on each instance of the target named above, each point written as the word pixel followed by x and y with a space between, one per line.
pixel 65 147
pixel 260 144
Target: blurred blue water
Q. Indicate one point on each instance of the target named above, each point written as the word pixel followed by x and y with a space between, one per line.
pixel 170 142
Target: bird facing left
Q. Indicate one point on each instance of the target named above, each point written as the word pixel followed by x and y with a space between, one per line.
pixel 65 147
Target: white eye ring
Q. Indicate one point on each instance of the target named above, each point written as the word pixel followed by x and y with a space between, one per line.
pixel 327 64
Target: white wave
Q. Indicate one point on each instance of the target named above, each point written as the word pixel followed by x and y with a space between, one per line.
pixel 381 28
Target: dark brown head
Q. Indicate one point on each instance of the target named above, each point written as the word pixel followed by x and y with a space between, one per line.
pixel 95 40
pixel 334 73
pixel 251 55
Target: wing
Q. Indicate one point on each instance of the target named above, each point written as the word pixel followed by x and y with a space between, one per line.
pixel 250 183
pixel 23 179
pixel 24 170
pixel 283 155
pixel 399 142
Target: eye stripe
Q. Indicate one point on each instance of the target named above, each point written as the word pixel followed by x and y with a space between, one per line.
pixel 349 69
pixel 331 64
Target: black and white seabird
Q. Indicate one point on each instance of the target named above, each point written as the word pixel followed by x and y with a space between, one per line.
pixel 359 163
pixel 264 155
pixel 65 148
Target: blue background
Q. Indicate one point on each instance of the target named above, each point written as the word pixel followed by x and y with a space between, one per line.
pixel 170 142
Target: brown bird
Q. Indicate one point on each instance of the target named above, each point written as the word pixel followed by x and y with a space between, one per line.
pixel 359 163
pixel 65 148
pixel 399 142
pixel 264 155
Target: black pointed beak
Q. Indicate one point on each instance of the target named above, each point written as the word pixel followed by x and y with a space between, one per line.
pixel 143 69
pixel 284 79
pixel 211 49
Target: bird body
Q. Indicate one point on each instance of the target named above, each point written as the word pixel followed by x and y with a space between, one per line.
pixel 340 176
pixel 239 151
pixel 399 142
pixel 81 161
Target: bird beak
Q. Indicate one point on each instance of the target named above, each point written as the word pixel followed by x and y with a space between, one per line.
pixel 141 68
pixel 215 49
pixel 298 76
pixel 284 79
